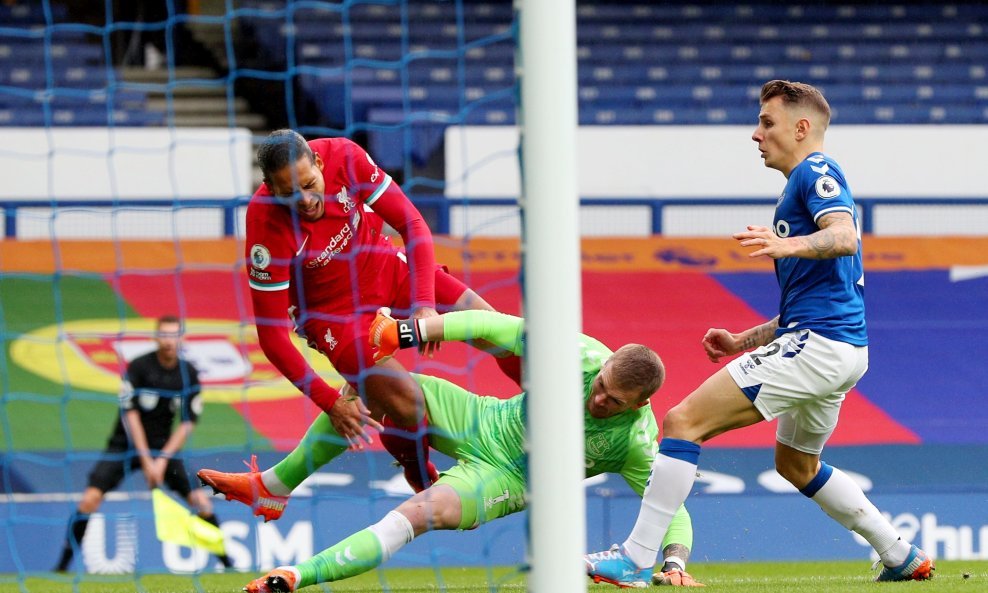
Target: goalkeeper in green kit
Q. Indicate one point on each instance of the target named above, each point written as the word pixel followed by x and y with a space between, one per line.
pixel 486 436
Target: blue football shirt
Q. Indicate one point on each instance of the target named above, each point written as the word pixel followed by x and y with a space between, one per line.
pixel 826 296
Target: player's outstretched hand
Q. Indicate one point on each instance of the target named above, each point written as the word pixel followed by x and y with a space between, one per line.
pixel 349 417
pixel 676 578
pixel 718 343
pixel 764 241
pixel 388 335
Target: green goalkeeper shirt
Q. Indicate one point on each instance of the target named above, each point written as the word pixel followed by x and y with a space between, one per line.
pixel 624 444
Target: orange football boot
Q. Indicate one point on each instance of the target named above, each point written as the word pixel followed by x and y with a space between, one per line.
pixel 246 488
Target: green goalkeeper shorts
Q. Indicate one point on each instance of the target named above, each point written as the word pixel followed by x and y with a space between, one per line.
pixel 489 476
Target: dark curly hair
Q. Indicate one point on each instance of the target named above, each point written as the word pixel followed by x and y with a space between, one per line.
pixel 280 149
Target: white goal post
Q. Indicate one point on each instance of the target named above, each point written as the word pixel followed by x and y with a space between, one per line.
pixel 552 295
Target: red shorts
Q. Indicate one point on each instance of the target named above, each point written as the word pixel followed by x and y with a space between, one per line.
pixel 340 330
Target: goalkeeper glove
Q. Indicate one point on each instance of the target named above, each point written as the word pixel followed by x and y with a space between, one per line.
pixel 676 577
pixel 388 335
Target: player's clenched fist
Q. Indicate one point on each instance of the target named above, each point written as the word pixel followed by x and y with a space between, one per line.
pixel 387 334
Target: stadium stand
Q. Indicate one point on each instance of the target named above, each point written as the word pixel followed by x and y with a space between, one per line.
pixel 639 64
pixel 393 69
pixel 59 69
pixel 388 68
pixel 62 79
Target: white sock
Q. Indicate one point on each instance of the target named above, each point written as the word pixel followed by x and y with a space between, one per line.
pixel 897 554
pixel 842 499
pixel 393 531
pixel 273 484
pixel 670 484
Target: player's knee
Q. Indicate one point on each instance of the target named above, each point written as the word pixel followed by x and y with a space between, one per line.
pixel 91 500
pixel 447 508
pixel 386 387
pixel 435 508
pixel 678 424
pixel 447 518
pixel 471 300
pixel 401 408
pixel 399 397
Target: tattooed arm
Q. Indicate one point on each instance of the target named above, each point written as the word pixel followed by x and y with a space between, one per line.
pixel 837 237
pixel 759 335
pixel 720 342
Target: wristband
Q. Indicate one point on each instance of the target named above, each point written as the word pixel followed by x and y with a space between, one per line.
pixel 673 562
pixel 407 334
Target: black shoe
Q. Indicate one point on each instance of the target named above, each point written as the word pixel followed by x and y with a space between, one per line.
pixel 64 562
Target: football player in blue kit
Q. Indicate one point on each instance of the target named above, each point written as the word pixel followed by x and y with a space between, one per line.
pixel 797 367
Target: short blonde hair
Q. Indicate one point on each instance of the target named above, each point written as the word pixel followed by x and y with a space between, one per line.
pixel 798 94
pixel 637 368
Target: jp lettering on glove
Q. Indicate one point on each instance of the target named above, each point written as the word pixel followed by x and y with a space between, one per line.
pixel 388 335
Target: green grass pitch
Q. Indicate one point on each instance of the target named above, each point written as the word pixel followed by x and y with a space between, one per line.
pixel 749 577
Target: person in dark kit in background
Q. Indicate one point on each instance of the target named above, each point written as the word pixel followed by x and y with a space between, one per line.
pixel 157 386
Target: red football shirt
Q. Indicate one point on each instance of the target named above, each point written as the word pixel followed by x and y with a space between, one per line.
pixel 326 261
pixel 323 257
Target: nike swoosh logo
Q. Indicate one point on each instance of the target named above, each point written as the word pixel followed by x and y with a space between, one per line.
pixel 301 247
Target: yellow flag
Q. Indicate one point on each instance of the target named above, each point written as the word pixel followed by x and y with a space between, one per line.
pixel 175 524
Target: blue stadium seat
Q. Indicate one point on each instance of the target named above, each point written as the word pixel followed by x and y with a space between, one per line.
pixel 37 78
pixel 647 62
pixel 780 52
pixel 28 14
pixel 619 114
pixel 622 114
pixel 119 99
pixel 905 113
pixel 82 116
pixel 315 31
pixel 35 52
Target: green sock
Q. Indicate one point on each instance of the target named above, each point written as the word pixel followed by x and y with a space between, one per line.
pixel 320 445
pixel 680 530
pixel 355 555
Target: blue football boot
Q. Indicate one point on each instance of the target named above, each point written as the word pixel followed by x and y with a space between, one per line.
pixel 615 567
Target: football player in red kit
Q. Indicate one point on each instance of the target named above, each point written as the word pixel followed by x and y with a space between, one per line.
pixel 319 262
